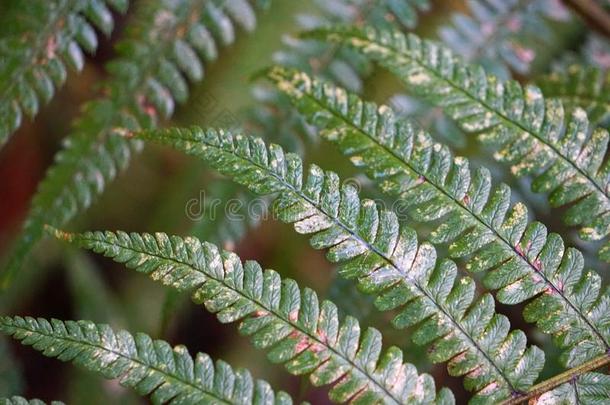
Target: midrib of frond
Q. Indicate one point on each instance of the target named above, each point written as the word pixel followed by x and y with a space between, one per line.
pixel 39 45
pixel 363 374
pixel 403 274
pixel 507 245
pixel 122 355
pixel 400 56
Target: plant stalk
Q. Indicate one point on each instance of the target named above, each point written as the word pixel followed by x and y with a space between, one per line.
pixel 593 13
pixel 559 379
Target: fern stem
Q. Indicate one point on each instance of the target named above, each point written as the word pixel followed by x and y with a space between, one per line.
pixel 593 13
pixel 566 376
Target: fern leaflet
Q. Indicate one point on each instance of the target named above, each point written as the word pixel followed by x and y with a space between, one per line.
pixel 167 46
pixel 307 337
pixel 151 367
pixel 384 257
pixel 37 49
pixel 17 400
pixel 531 132
pixel 587 389
pixel 522 260
pixel 581 86
pixel 502 35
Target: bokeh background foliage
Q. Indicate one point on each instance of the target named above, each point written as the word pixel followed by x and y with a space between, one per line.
pixel 164 190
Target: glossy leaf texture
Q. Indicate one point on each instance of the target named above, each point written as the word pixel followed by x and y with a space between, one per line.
pixel 521 259
pixel 38 49
pixel 384 257
pixel 300 332
pixel 150 367
pixel 167 47
pixel 563 153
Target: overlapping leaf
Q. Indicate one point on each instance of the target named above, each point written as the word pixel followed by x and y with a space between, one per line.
pixel 532 133
pixel 385 258
pixel 167 47
pixel 503 34
pixel 586 389
pixel 151 367
pixel 521 260
pixel 581 86
pixel 301 333
pixel 39 47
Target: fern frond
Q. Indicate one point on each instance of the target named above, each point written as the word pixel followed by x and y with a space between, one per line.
pixel 530 132
pixel 384 257
pixel 40 46
pixel 17 400
pixel 587 389
pixel 502 35
pixel 475 218
pixel 339 64
pixel 304 335
pixel 581 86
pixel 150 367
pixel 168 45
pixel 383 13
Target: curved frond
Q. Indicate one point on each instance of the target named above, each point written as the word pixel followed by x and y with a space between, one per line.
pixel 521 259
pixel 40 46
pixel 166 49
pixel 500 34
pixel 581 86
pixel 17 400
pixel 301 333
pixel 385 258
pixel 532 133
pixel 150 367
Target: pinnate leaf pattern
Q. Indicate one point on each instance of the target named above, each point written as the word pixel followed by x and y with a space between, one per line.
pixel 151 367
pixel 166 49
pixel 385 257
pixel 466 211
pixel 300 332
pixel 534 134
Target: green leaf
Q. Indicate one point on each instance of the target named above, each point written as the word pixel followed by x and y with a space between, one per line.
pixel 466 211
pixel 37 47
pixel 503 35
pixel 304 335
pixel 533 134
pixel 16 400
pixel 140 92
pixel 587 389
pixel 385 258
pixel 150 367
pixel 581 86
